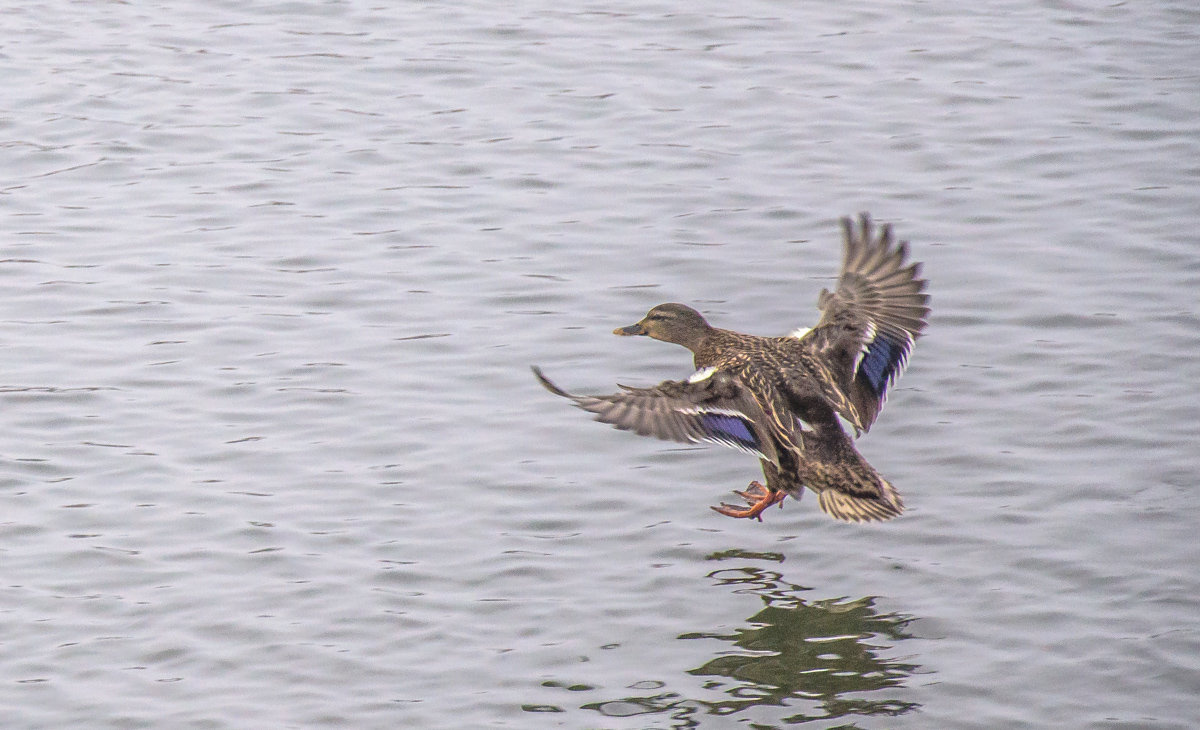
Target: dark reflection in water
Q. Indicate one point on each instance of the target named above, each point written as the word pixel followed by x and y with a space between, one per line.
pixel 808 661
pixel 818 651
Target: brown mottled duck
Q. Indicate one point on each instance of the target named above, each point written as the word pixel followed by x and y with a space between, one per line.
pixel 781 397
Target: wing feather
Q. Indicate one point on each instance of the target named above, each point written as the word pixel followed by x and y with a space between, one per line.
pixel 715 407
pixel 871 321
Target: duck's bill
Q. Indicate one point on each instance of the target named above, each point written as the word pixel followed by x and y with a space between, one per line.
pixel 634 329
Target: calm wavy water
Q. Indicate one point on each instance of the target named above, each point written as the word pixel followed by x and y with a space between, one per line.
pixel 271 454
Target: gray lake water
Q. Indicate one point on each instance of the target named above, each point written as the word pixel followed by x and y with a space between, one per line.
pixel 274 274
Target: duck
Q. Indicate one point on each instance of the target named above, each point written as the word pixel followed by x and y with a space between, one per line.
pixel 785 398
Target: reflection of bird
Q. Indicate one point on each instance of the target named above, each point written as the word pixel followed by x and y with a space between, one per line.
pixel 780 397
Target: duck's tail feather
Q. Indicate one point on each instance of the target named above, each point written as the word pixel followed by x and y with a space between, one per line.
pixel 853 508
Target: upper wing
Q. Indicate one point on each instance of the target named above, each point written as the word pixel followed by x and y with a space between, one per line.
pixel 870 322
pixel 712 405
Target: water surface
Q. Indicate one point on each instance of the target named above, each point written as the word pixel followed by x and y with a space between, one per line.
pixel 275 274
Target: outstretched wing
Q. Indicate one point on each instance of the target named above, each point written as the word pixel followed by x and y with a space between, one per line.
pixel 870 322
pixel 711 406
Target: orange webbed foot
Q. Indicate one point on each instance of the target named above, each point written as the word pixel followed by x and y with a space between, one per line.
pixel 757 497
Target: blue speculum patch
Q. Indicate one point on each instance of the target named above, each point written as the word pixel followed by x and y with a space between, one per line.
pixel 724 426
pixel 883 355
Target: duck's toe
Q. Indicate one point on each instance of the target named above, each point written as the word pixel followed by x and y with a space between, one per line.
pixel 757 497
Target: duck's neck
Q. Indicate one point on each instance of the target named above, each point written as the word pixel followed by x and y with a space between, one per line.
pixel 706 347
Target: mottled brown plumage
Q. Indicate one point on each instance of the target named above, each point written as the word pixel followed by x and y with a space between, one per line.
pixel 781 397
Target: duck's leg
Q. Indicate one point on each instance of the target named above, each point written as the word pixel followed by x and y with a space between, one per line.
pixel 757 497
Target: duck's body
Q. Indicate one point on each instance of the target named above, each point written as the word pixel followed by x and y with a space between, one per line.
pixel 781 397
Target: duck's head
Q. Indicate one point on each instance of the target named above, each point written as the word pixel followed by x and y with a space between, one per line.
pixel 675 323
